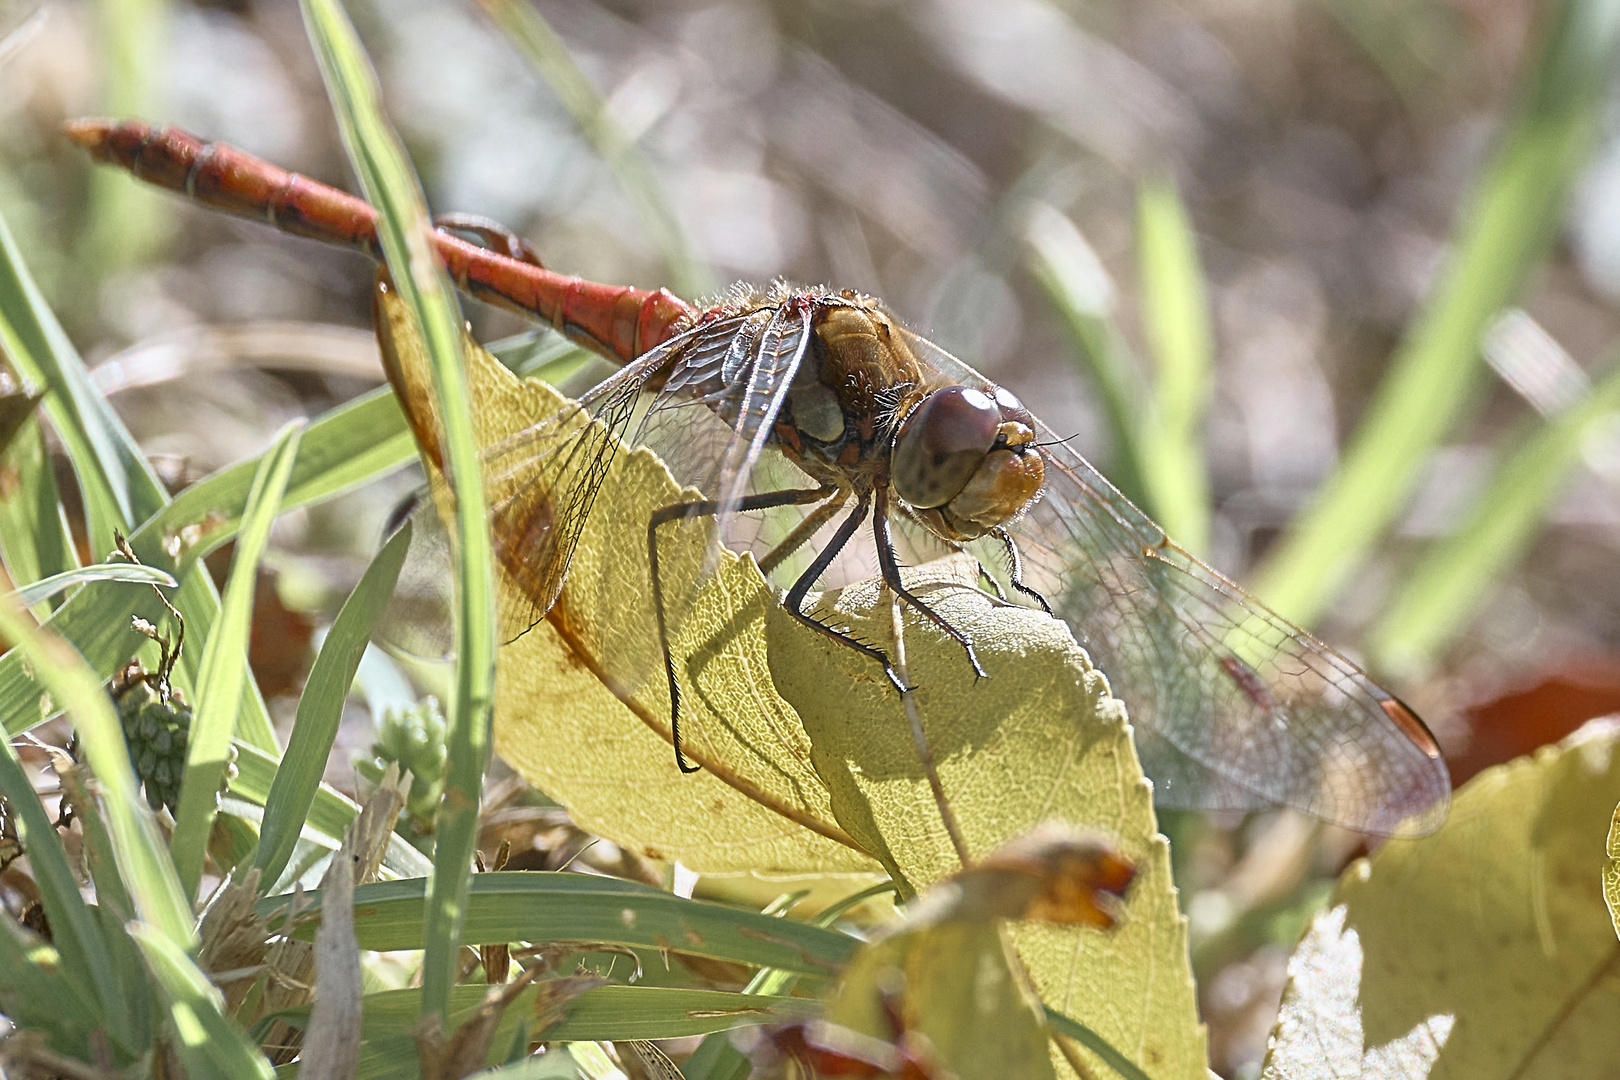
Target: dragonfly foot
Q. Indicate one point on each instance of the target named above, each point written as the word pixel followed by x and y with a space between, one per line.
pixel 894 677
pixel 1033 595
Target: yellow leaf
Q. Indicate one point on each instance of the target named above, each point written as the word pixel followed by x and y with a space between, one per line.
pixel 959 986
pixel 1484 950
pixel 1039 739
pixel 1611 873
pixel 948 970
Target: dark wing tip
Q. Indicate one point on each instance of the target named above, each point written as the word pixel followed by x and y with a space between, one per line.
pixel 1412 727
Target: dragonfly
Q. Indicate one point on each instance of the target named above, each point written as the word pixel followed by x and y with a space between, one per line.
pixel 823 402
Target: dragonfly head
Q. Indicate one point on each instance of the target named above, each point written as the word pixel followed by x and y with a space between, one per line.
pixel 965 460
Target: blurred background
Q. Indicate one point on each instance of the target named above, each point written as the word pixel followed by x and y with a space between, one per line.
pixel 1329 285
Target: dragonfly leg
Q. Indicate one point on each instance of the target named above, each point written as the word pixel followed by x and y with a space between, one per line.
pixel 984 572
pixel 681 512
pixel 891 574
pixel 491 234
pixel 990 580
pixel 794 600
pixel 1016 564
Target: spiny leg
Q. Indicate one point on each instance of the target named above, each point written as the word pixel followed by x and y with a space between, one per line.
pixel 795 596
pixel 1015 563
pixel 891 574
pixel 681 512
pixel 990 580
pixel 491 234
pixel 960 549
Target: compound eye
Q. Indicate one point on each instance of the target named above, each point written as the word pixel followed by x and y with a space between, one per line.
pixel 941 443
pixel 1012 409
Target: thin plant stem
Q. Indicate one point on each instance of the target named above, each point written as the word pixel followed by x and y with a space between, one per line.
pixel 914 717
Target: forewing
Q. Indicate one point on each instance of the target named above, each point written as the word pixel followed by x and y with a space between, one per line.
pixel 765 380
pixel 1237 706
pixel 704 403
pixel 1222 679
pixel 716 436
pixel 731 393
pixel 769 375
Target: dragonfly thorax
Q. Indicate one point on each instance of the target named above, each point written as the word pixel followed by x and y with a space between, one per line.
pixel 856 377
pixel 864 360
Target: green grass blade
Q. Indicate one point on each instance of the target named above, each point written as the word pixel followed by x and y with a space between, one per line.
pixel 74 932
pixel 614 1013
pixel 123 987
pixel 1175 319
pixel 129 985
pixel 198 601
pixel 522 23
pixel 543 354
pixel 98 848
pixel 1453 578
pixel 38 993
pixel 210 1044
pixel 138 848
pixel 347 446
pixel 608 1013
pixel 321 707
pixel 343 448
pixel 45 588
pixel 837 910
pixel 1511 217
pixel 716 1059
pixel 330 814
pixel 1079 288
pixel 224 664
pixel 404 230
pixel 122 226
pixel 118 485
pixel 134 986
pixel 533 1067
pixel 553 906
pixel 1098 1045
pixel 34 538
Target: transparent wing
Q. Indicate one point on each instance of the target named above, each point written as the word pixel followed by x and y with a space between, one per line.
pixel 1235 706
pixel 765 381
pixel 742 386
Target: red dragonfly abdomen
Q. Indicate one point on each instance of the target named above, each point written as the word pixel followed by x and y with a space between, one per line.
pixel 618 321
